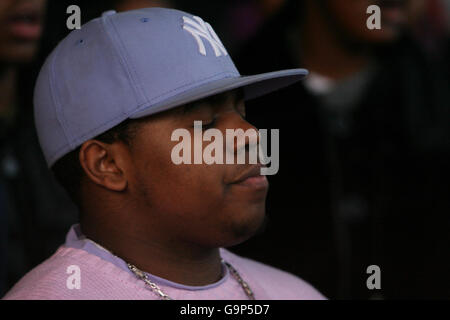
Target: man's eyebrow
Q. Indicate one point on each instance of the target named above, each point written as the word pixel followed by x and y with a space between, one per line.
pixel 187 108
pixel 236 95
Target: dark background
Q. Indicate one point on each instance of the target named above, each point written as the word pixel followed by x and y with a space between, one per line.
pixel 364 172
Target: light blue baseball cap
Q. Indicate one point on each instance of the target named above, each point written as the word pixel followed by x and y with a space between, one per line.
pixel 131 65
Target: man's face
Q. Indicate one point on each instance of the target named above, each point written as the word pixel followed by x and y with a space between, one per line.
pixel 20 29
pixel 126 5
pixel 351 17
pixel 198 203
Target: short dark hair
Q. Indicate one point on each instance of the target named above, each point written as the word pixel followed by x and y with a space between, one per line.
pixel 68 171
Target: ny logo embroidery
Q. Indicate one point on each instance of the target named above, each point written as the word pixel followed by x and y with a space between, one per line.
pixel 201 29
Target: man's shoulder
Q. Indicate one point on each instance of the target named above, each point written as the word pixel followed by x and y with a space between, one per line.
pixel 276 283
pixel 74 274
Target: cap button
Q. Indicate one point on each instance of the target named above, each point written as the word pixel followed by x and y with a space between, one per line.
pixel 109 13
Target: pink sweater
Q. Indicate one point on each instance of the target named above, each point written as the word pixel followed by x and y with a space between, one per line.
pixel 101 279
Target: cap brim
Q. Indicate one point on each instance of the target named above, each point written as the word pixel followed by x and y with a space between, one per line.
pixel 254 86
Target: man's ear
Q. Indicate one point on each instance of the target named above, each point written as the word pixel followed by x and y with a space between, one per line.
pixel 103 164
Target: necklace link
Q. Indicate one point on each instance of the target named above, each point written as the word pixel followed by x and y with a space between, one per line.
pixel 239 279
pixel 141 275
pixel 154 287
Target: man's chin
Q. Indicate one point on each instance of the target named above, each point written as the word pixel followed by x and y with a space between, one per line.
pixel 244 231
pixel 18 53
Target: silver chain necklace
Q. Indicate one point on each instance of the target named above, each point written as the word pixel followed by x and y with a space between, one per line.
pixel 157 290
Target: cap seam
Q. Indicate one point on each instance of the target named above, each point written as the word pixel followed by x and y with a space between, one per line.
pixel 121 51
pixel 72 147
pixel 54 93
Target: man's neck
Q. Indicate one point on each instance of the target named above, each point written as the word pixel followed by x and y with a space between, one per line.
pixel 179 262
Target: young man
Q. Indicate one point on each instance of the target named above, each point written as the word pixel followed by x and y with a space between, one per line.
pixel 107 101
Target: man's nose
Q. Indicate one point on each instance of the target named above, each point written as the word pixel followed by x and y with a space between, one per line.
pixel 242 138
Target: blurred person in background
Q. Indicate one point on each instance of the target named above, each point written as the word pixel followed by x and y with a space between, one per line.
pixel 126 5
pixel 243 18
pixel 20 32
pixel 365 142
pixel 35 211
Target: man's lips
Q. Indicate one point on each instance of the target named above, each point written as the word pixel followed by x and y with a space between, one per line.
pixel 25 24
pixel 251 177
pixel 393 11
pixel 390 3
